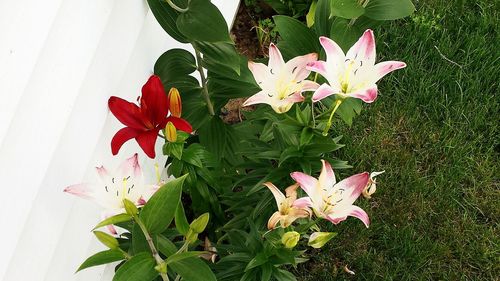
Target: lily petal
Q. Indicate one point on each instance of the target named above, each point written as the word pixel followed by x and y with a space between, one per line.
pixel 367 95
pixel 259 71
pixel 273 220
pixel 353 186
pixel 319 67
pixel 82 190
pixel 326 177
pixel 278 195
pixel 308 183
pixel 303 202
pixel 291 191
pixel 295 97
pixel 363 49
pixel 146 141
pixel 322 92
pixel 103 173
pixel 260 97
pixel 386 67
pixel 180 124
pixel 122 136
pixel 308 85
pixel 129 114
pixel 334 53
pixel 297 66
pixel 131 167
pixel 352 211
pixel 154 99
pixel 276 61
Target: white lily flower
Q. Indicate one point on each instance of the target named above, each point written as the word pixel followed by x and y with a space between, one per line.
pixel 331 200
pixel 353 74
pixel 371 187
pixel 282 83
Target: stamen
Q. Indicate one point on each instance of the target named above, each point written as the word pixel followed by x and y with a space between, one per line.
pixel 128 192
pixel 293 70
pixel 113 180
pixel 106 188
pixel 117 193
pixel 269 95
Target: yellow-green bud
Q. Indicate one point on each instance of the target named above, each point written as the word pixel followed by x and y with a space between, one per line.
pixel 106 239
pixel 319 239
pixel 191 236
pixel 290 239
pixel 130 207
pixel 199 224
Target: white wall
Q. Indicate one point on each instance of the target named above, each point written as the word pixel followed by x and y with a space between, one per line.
pixel 60 60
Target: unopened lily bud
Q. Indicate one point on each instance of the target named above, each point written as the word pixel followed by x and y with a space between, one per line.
pixel 290 239
pixel 106 239
pixel 319 239
pixel 371 187
pixel 175 104
pixel 171 132
pixel 130 207
pixel 199 224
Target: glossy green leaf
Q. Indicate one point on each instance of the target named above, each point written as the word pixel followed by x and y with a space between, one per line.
pixel 297 39
pixel 348 9
pixel 114 220
pixel 349 109
pixel 174 63
pixel 213 136
pixel 258 260
pixel 101 258
pixel 182 256
pixel 389 9
pixel 219 56
pixel 181 222
pixel 322 21
pixel 344 34
pixel 159 211
pixel 139 243
pixel 106 239
pixel 311 14
pixel 167 17
pixel 139 268
pixel 203 22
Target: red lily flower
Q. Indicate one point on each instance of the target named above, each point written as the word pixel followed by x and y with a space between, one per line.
pixel 144 122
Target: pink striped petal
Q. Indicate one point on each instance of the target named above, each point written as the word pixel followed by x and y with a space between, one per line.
pixel 307 182
pixel 260 97
pixel 322 92
pixel 259 71
pixel 352 187
pixel 276 61
pixel 303 202
pixel 386 67
pixel 326 177
pixel 319 67
pixel 82 190
pixel 130 167
pixel 334 54
pixel 297 66
pixel 367 95
pixel 363 49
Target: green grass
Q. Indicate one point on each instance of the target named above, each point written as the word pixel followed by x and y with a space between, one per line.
pixel 435 130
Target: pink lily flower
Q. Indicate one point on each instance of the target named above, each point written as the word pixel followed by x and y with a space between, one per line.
pixel 282 83
pixel 125 183
pixel 353 74
pixel 331 200
pixel 287 213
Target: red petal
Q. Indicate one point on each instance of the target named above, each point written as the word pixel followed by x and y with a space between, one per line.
pixel 121 137
pixel 126 112
pixel 146 141
pixel 180 124
pixel 154 101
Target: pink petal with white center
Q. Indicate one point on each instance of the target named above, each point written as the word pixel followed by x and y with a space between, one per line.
pixel 308 183
pixel 363 49
pixel 276 61
pixel 352 187
pixel 322 92
pixel 334 54
pixel 259 71
pixel 386 67
pixel 303 202
pixel 278 195
pixel 103 173
pixel 367 95
pixel 326 177
pixel 82 190
pixel 260 97
pixel 308 85
pixel 130 167
pixel 351 211
pixel 319 67
pixel 295 97
pixel 297 66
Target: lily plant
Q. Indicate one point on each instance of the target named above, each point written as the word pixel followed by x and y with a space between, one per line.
pixel 282 83
pixel 354 74
pixel 331 200
pixel 144 121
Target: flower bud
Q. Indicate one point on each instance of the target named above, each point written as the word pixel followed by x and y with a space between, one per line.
pixel 199 224
pixel 290 239
pixel 371 187
pixel 171 132
pixel 106 239
pixel 130 207
pixel 319 239
pixel 175 105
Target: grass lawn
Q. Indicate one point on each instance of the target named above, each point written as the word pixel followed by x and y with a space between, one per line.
pixel 435 130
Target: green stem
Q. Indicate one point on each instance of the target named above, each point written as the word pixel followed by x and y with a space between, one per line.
pixel 204 89
pixel 175 7
pixel 158 259
pixel 329 123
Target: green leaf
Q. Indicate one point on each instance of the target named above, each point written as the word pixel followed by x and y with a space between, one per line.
pixel 389 9
pixel 322 21
pixel 139 242
pixel 349 109
pixel 344 34
pixel 311 14
pixel 259 259
pixel 139 268
pixel 283 275
pixel 106 239
pixel 167 17
pixel 159 211
pixel 174 63
pixel 213 136
pixel 289 152
pixel 181 222
pixel 173 148
pixel 193 155
pixel 219 56
pixel 306 135
pixel 103 257
pixel 114 220
pixel 203 22
pixel 348 9
pixel 184 255
pixel 297 39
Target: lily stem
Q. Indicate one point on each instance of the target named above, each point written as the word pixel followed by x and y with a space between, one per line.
pixel 204 89
pixel 175 7
pixel 329 123
pixel 158 259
